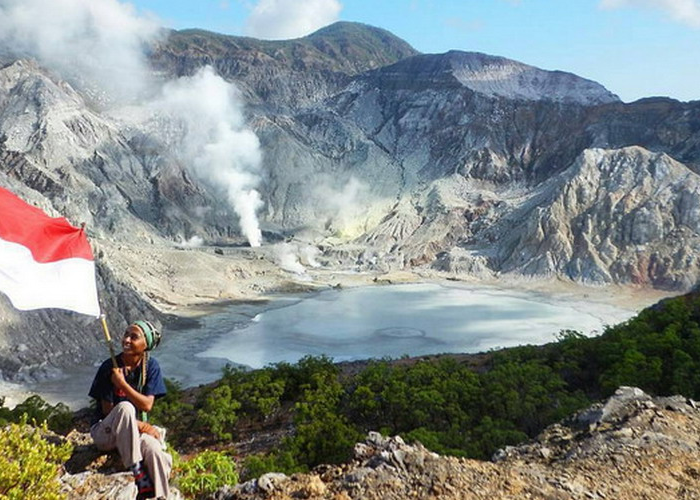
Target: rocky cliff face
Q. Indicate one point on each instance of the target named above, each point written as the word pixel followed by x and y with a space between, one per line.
pixel 381 157
pixel 459 156
pixel 626 216
pixel 629 447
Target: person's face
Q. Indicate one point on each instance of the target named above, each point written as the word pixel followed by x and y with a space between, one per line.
pixel 133 341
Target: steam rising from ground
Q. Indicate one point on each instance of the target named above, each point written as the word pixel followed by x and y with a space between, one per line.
pixel 98 45
pixel 296 257
pixel 193 242
pixel 209 128
pixel 348 207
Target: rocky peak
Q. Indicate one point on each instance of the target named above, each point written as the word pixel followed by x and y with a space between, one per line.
pixel 357 47
pixel 344 47
pixel 43 116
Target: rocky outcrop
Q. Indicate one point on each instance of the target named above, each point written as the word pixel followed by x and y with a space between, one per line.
pixel 657 124
pixel 614 216
pixel 625 216
pixel 629 447
pixel 90 473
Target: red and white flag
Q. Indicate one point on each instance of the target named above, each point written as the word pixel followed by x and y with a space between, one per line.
pixel 44 261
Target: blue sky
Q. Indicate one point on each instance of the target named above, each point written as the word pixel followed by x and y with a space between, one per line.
pixel 636 48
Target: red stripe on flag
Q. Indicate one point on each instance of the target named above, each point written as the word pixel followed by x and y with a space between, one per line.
pixel 48 239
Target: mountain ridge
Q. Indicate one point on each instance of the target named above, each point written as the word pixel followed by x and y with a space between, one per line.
pixel 497 76
pixel 330 56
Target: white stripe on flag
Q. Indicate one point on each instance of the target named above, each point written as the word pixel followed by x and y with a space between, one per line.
pixel 64 284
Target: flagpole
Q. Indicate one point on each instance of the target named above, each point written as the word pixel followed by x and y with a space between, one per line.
pixel 103 318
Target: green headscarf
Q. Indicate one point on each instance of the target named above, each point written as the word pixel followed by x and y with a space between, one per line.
pixel 150 332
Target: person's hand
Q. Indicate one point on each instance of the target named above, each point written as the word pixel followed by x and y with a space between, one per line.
pixel 118 378
pixel 146 428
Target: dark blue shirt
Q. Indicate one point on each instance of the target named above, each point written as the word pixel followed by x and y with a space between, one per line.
pixel 103 389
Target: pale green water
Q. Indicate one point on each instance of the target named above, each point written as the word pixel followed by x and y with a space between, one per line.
pixel 374 322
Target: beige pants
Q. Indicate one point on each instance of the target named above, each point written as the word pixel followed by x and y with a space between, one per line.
pixel 119 430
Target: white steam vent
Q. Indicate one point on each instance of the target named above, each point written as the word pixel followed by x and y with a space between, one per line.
pixel 210 134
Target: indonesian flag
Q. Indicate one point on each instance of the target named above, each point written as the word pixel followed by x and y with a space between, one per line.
pixel 44 261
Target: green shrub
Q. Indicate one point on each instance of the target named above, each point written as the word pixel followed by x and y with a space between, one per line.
pixel 492 434
pixel 6 415
pixel 433 440
pixel 296 376
pixel 205 473
pixel 258 391
pixel 29 464
pixel 34 409
pixel 323 434
pixel 219 413
pixel 172 412
pixel 256 465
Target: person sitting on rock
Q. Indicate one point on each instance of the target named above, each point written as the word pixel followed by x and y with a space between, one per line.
pixel 124 395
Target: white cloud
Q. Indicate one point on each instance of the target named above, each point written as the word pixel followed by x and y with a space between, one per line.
pixel 683 11
pixel 284 19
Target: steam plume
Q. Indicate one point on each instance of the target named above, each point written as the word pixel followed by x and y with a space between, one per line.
pixel 296 257
pixel 213 138
pixel 348 205
pixel 194 242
